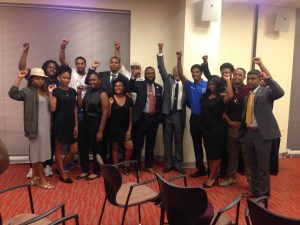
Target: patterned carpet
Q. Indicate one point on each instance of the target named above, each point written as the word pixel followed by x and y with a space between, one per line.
pixel 86 197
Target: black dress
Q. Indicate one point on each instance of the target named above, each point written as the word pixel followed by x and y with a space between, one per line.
pixel 119 120
pixel 214 127
pixel 64 119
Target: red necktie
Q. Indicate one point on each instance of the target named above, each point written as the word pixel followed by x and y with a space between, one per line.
pixel 151 100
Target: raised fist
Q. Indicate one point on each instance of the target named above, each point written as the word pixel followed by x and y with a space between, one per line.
pixel 64 42
pixel 96 64
pixel 205 59
pixel 22 74
pixel 26 46
pixel 117 44
pixel 111 100
pixel 257 60
pixel 226 76
pixel 179 54
pixel 79 89
pixel 51 87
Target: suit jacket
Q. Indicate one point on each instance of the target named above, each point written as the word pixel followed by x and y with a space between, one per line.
pixel 263 107
pixel 168 86
pixel 140 87
pixel 105 81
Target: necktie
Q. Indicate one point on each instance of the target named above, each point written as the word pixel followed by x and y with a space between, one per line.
pixel 114 76
pixel 151 100
pixel 175 102
pixel 249 108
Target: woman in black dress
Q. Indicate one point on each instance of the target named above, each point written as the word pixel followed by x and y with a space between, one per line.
pixel 120 123
pixel 214 126
pixel 95 111
pixel 65 125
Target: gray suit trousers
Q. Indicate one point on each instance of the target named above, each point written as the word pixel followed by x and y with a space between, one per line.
pixel 173 127
pixel 257 151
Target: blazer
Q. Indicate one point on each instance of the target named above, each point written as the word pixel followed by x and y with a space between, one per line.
pixel 263 110
pixel 140 87
pixel 105 81
pixel 169 81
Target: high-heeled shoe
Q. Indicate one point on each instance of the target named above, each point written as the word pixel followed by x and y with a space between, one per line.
pixel 48 185
pixel 35 181
pixel 205 185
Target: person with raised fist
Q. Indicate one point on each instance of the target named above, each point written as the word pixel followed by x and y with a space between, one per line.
pixel 195 90
pixel 174 109
pixel 37 120
pixel 259 128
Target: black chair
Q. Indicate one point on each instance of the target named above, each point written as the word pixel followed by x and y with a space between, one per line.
pixel 124 195
pixel 190 205
pixel 30 218
pixel 259 214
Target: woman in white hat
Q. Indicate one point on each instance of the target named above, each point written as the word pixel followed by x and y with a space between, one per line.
pixel 36 121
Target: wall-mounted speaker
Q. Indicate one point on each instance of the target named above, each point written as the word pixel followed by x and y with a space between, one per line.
pixel 282 21
pixel 211 10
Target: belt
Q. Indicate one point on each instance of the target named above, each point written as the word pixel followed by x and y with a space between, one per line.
pixel 252 128
pixel 149 114
pixel 174 111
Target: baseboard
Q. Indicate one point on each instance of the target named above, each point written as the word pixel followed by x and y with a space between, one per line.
pixel 17 159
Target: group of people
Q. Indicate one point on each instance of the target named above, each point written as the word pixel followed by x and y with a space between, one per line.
pixel 118 111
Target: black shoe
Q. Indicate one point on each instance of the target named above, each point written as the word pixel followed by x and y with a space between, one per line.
pixel 166 170
pixel 68 180
pixel 198 173
pixel 180 170
pixel 205 185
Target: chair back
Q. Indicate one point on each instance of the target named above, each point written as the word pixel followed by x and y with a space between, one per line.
pixel 183 205
pixel 112 180
pixel 262 216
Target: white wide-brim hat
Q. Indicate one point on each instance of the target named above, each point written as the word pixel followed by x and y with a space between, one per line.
pixel 38 72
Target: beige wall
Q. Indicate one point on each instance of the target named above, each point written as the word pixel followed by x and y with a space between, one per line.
pixel 177 24
pixel 277 50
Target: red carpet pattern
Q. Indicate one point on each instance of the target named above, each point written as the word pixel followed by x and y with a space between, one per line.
pixel 86 197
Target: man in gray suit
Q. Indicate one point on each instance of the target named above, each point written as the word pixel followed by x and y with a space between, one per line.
pixel 259 128
pixel 174 110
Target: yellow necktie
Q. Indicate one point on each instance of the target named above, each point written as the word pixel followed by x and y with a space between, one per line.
pixel 249 108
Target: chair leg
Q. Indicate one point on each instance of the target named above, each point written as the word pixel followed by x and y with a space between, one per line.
pixel 124 213
pixel 139 213
pixel 162 214
pixel 102 212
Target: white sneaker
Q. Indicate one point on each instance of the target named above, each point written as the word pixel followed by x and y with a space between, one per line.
pixel 29 174
pixel 48 171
